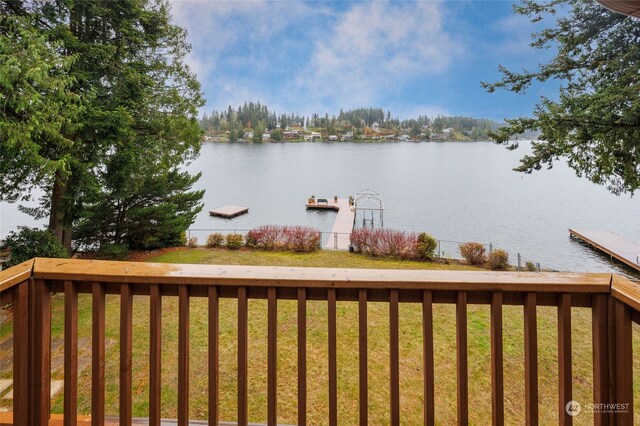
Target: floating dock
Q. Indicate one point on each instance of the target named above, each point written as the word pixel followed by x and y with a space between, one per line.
pixel 229 211
pixel 614 245
pixel 339 237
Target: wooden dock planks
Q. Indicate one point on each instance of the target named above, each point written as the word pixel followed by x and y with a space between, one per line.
pixel 229 211
pixel 614 245
pixel 342 227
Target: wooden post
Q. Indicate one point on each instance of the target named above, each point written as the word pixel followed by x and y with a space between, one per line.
pixel 497 382
pixel 70 353
pixel 624 364
pixel 600 357
pixel 41 311
pixel 21 352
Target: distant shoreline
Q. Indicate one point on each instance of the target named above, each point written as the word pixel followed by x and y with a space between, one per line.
pixel 245 142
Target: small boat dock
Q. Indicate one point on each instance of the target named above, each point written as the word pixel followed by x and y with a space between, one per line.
pixel 339 237
pixel 229 212
pixel 612 244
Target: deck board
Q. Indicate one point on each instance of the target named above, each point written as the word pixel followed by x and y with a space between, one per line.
pixel 612 244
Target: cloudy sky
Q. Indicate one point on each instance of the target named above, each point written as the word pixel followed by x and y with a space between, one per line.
pixel 424 57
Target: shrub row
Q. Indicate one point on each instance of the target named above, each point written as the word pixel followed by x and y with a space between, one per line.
pixel 390 243
pixel 474 253
pixel 301 239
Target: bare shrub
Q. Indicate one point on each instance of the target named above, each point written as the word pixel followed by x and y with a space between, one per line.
pixel 301 239
pixel 235 241
pixel 215 240
pixel 473 252
pixel 498 259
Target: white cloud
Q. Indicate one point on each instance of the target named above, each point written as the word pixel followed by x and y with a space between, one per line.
pixel 215 26
pixel 344 54
pixel 374 48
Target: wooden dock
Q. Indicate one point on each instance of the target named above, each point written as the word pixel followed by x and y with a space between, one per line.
pixel 339 237
pixel 614 245
pixel 229 211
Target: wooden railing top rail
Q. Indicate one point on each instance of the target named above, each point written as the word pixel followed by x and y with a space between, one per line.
pixel 232 275
pixel 16 274
pixel 626 291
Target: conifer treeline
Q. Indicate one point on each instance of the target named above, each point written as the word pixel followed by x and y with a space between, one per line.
pixel 256 115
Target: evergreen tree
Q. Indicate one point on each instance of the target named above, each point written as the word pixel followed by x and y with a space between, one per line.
pixel 595 123
pixel 141 102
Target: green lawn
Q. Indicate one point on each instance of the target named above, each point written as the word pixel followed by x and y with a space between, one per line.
pixel 321 259
pixel 410 352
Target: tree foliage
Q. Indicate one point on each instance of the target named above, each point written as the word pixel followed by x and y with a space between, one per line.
pixel 122 63
pixel 153 211
pixel 38 109
pixel 595 122
pixel 28 243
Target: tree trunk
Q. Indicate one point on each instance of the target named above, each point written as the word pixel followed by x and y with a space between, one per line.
pixel 57 218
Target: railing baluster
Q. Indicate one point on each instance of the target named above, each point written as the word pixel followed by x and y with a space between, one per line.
pixel 214 350
pixel 600 359
pixel 42 352
pixel 394 357
pixel 183 355
pixel 302 356
pixel 462 363
pixel 272 356
pixel 155 354
pixel 126 330
pixel 564 358
pixel 624 363
pixel 97 354
pixel 243 341
pixel 427 354
pixel 497 374
pixel 70 353
pixel 21 353
pixel 363 356
pixel 531 359
pixel 333 368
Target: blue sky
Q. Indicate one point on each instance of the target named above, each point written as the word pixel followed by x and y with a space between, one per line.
pixel 411 58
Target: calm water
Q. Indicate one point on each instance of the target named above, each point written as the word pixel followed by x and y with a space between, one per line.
pixel 457 192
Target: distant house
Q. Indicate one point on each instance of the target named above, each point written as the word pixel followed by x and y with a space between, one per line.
pixel 266 136
pixel 333 138
pixel 248 134
pixel 313 136
pixel 448 130
pixel 376 127
pixel 348 136
pixel 291 134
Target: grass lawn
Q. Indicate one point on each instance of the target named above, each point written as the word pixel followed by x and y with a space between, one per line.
pixel 347 338
pixel 320 259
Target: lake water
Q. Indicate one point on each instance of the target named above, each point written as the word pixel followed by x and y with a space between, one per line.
pixel 455 191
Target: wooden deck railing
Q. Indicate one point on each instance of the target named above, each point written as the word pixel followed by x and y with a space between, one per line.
pixel 613 300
